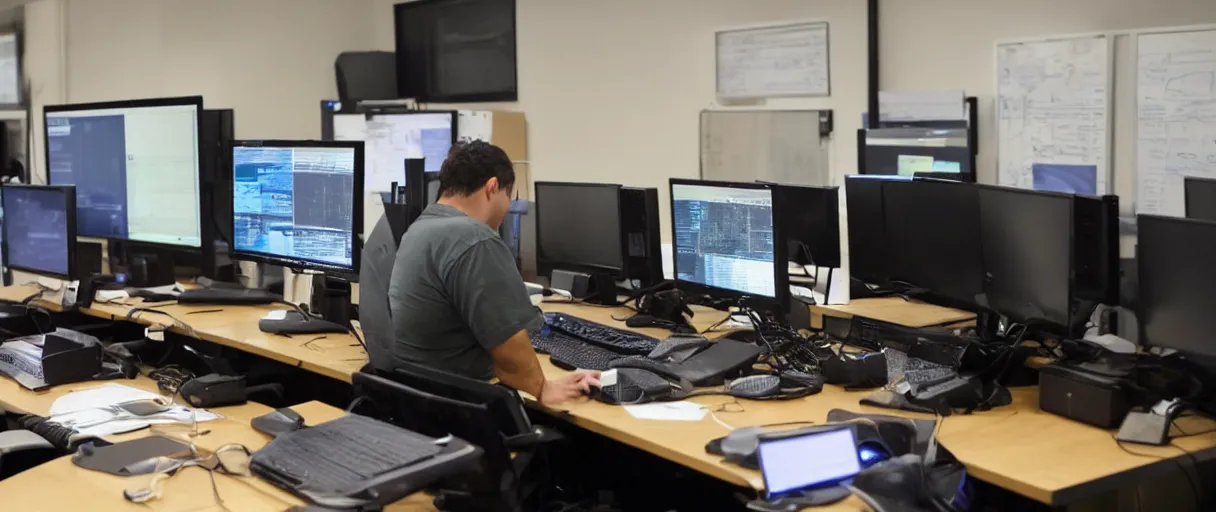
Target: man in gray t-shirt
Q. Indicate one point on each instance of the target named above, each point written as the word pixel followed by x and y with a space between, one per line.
pixel 457 301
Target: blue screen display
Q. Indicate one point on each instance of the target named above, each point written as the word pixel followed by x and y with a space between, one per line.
pixel 295 203
pixel 36 229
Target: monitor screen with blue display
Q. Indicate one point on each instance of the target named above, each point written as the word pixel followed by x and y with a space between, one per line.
pixel 295 203
pixel 40 229
pixel 135 165
pixel 723 238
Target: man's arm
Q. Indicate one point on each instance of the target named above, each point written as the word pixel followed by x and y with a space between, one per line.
pixel 516 365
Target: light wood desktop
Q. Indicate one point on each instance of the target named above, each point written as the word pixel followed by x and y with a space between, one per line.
pixel 61 485
pixel 1018 447
pixel 896 310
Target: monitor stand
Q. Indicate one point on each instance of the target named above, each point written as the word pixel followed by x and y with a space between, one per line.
pixel 149 268
pixel 592 288
pixel 331 298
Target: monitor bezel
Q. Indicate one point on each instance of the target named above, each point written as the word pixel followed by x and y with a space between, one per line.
pixel 780 263
pixel 204 210
pixel 356 212
pixel 69 194
pixel 545 263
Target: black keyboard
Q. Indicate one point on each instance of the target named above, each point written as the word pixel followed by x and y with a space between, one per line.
pixel 335 454
pixel 246 296
pixel 611 338
pixel 571 353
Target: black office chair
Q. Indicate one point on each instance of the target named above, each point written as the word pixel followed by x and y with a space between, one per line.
pixel 21 450
pixel 495 483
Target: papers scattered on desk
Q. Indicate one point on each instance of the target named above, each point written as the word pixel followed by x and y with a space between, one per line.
pixel 105 395
pixel 668 411
pixel 91 411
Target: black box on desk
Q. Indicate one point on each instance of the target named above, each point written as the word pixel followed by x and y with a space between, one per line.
pixel 1096 399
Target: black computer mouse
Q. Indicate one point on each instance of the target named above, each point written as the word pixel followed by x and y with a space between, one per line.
pixel 279 422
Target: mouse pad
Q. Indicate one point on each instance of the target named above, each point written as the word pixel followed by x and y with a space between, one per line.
pixel 123 459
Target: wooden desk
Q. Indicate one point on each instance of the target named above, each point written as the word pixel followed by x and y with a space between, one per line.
pixel 1018 447
pixel 61 485
pixel 894 310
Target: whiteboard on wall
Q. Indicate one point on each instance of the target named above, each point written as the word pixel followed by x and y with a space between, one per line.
pixel 1053 114
pixel 781 146
pixel 788 60
pixel 1175 116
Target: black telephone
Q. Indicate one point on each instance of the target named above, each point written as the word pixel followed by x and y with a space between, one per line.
pixel 88 287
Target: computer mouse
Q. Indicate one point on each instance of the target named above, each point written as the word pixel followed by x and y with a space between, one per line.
pixel 278 422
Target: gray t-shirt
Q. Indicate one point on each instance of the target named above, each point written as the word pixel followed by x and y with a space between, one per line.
pixel 455 294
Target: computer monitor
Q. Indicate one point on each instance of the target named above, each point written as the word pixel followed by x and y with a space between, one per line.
pixel 1176 282
pixel 933 238
pixel 1200 200
pixel 1027 244
pixel 578 227
pixel 726 242
pixel 135 165
pixel 40 229
pixel 295 203
pixel 866 227
pixel 811 223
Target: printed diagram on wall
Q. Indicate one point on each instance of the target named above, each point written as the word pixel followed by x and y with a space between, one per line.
pixel 1052 107
pixel 1176 117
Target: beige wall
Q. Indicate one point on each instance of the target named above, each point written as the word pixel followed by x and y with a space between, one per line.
pixel 613 88
pixel 271 60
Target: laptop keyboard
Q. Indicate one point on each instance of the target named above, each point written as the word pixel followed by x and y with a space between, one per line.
pixel 338 454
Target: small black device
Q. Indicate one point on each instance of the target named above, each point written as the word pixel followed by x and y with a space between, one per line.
pixel 278 422
pixel 1088 397
pixel 1027 244
pixel 1200 197
pixel 415 183
pixel 214 390
pixel 40 229
pixel 726 242
pixel 932 237
pixel 867 227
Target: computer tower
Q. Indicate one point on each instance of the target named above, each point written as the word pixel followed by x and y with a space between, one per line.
pixel 640 234
pixel 1096 248
pixel 215 201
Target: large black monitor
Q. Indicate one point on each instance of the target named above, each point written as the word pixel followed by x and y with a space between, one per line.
pixel 1176 282
pixel 456 50
pixel 578 226
pixel 135 165
pixel 296 203
pixel 811 223
pixel 725 240
pixel 1027 243
pixel 933 238
pixel 599 227
pixel 866 227
pixel 1200 198
pixel 40 229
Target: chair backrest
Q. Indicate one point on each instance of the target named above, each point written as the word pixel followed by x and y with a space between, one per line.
pixel 504 403
pixel 433 415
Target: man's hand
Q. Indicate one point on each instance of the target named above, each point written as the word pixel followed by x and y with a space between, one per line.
pixel 568 387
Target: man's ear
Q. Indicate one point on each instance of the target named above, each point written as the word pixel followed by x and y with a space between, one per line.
pixel 491 187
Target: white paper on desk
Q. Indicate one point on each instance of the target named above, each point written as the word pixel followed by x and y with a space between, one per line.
pixel 117 423
pixel 105 395
pixel 668 411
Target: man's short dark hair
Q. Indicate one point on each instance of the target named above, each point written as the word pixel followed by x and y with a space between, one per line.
pixel 470 165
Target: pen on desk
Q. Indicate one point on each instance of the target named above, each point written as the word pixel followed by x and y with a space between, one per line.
pixel 204 311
